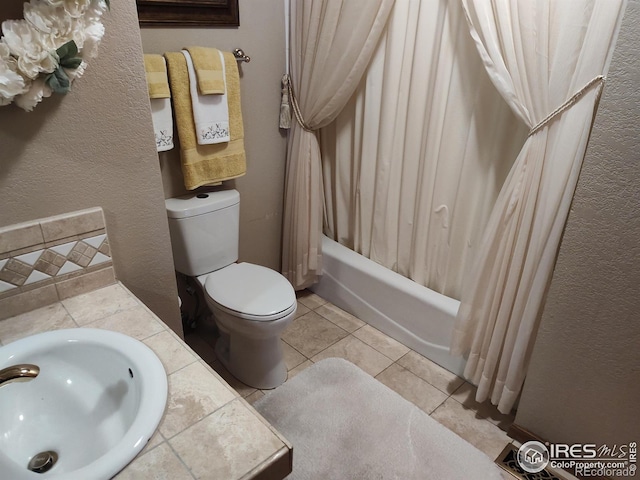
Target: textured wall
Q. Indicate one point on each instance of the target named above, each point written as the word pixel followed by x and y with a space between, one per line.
pixel 95 147
pixel 261 35
pixel 583 385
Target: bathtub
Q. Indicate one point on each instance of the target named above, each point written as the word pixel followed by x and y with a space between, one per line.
pixel 414 315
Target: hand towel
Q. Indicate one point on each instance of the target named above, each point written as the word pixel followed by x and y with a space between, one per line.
pixel 210 112
pixel 209 67
pixel 156 71
pixel 206 164
pixel 162 123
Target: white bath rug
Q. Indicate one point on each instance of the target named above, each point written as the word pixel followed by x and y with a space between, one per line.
pixel 345 425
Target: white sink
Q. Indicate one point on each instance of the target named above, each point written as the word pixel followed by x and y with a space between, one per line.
pixel 96 402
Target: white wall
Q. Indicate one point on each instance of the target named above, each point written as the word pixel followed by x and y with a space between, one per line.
pixel 95 147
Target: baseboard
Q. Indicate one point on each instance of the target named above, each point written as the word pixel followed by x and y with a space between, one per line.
pixel 522 435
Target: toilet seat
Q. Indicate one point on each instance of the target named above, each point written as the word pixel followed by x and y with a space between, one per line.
pixel 251 292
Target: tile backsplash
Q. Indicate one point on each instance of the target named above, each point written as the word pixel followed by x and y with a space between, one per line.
pixel 47 260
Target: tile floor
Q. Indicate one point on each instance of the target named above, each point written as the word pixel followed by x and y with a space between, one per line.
pixel 322 330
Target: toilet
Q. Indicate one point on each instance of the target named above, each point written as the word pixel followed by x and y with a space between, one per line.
pixel 251 304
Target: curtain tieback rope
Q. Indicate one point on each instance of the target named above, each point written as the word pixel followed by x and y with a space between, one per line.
pixel 296 108
pixel 599 80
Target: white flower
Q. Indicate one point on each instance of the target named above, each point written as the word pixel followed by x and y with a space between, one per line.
pixel 93 36
pixel 95 11
pixel 11 82
pixel 30 47
pixel 56 27
pixel 78 72
pixel 40 15
pixel 37 91
pixel 74 8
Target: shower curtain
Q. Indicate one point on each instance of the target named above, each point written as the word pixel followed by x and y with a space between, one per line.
pixel 331 45
pixel 414 163
pixel 547 59
pixel 466 218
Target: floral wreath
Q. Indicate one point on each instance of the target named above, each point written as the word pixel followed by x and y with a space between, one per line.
pixel 44 52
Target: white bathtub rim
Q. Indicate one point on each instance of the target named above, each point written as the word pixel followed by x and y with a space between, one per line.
pixel 443 309
pixel 443 303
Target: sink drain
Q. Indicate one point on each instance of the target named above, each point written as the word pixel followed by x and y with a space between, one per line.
pixel 43 461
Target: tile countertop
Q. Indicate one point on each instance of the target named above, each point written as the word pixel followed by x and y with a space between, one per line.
pixel 208 431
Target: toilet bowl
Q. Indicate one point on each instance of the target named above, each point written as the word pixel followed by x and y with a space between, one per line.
pixel 251 304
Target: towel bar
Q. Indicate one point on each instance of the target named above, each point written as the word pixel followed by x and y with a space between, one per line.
pixel 240 55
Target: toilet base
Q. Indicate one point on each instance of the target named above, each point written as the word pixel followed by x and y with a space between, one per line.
pixel 257 363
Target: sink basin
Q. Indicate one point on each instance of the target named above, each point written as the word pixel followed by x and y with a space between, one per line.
pixel 96 402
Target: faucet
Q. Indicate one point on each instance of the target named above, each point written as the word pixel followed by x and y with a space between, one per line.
pixel 18 373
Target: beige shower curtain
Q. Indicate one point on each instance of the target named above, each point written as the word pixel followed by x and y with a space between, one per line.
pixel 414 163
pixel 331 44
pixel 546 59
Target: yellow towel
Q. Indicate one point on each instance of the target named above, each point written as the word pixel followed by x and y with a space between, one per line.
pixel 206 63
pixel 206 164
pixel 156 70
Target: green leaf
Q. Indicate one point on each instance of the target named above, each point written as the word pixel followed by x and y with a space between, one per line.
pixel 71 63
pixel 68 50
pixel 108 2
pixel 58 81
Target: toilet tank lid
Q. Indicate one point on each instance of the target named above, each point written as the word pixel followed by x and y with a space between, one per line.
pixel 200 203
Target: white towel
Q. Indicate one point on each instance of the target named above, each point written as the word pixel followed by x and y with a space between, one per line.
pixel 162 123
pixel 210 112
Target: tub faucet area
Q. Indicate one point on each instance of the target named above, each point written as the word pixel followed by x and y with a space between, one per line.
pixel 18 373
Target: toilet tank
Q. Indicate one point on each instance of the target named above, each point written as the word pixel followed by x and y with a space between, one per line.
pixel 205 230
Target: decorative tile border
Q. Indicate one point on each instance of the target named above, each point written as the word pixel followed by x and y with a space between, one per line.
pixel 52 262
pixel 51 259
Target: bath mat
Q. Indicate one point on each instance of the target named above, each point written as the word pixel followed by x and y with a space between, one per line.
pixel 345 425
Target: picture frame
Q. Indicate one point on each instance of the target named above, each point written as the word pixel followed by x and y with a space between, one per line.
pixel 188 13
